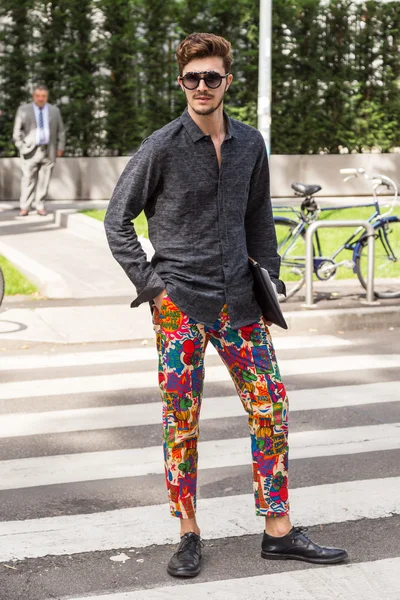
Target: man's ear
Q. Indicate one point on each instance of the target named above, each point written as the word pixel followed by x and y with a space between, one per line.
pixel 180 84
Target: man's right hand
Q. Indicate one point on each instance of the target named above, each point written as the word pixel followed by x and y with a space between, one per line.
pixel 158 299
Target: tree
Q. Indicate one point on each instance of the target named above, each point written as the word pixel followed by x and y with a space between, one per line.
pixel 120 80
pixel 157 68
pixel 80 77
pixel 110 66
pixel 15 39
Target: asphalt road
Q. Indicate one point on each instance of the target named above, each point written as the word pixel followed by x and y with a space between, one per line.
pixel 82 495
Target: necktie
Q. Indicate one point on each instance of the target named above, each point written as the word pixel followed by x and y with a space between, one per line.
pixel 41 127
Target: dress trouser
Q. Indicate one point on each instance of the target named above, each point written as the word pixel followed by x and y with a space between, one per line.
pixel 249 356
pixel 36 173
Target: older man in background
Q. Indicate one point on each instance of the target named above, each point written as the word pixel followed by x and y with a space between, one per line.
pixel 39 135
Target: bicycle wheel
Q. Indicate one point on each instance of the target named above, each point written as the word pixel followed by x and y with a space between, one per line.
pixel 2 286
pixel 387 261
pixel 292 250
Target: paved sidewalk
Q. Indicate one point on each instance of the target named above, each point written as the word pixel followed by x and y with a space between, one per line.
pixel 61 261
pixel 94 320
pixel 74 264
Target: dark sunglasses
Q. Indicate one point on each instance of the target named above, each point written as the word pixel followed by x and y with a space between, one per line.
pixel 212 79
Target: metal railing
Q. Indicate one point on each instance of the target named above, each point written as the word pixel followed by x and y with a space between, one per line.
pixel 310 256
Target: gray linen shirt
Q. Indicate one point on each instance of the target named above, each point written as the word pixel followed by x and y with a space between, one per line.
pixel 204 220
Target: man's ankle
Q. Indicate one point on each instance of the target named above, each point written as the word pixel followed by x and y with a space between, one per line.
pixel 192 530
pixel 189 526
pixel 277 527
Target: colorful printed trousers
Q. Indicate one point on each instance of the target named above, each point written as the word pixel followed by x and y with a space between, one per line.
pixel 249 356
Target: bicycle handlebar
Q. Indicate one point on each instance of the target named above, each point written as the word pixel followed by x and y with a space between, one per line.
pixel 377 179
pixel 384 180
pixel 349 171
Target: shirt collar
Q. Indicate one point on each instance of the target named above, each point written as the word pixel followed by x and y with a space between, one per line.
pixel 196 133
pixel 35 106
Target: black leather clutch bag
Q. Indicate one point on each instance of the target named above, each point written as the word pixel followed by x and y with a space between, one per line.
pixel 265 295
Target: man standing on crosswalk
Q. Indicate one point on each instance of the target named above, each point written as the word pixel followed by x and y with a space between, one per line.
pixel 39 135
pixel 203 182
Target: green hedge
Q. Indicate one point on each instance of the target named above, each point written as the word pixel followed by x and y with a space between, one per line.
pixel 110 67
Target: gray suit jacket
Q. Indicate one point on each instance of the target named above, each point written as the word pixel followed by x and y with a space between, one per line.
pixel 24 134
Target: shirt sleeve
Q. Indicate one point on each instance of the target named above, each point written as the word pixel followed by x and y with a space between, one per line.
pixel 259 223
pixel 60 133
pixel 18 133
pixel 138 185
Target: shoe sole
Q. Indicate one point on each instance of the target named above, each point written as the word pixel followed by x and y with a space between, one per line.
pixel 319 561
pixel 183 575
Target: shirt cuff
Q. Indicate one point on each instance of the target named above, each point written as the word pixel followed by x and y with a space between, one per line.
pixel 154 287
pixel 280 286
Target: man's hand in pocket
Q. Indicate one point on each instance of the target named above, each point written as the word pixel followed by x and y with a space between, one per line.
pixel 158 299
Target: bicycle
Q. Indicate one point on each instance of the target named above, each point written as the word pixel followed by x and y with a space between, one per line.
pixel 291 233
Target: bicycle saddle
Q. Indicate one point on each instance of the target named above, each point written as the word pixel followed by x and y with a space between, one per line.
pixel 305 190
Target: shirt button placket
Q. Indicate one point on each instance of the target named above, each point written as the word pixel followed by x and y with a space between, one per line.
pixel 225 232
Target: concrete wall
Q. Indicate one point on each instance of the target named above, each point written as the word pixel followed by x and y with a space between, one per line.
pixel 324 171
pixel 95 178
pixel 73 178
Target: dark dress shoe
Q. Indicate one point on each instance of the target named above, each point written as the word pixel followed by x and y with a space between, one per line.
pixel 186 560
pixel 296 546
pixel 23 213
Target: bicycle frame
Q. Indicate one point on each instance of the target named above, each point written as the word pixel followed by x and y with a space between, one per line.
pixel 307 216
pixel 352 243
pixel 383 237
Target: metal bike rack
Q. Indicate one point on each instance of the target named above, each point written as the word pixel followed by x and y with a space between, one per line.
pixel 310 257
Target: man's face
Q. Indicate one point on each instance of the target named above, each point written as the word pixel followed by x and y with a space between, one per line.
pixel 40 97
pixel 204 100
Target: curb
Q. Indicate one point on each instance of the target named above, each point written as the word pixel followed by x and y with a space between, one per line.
pixel 323 320
pixel 93 229
pixel 86 227
pixel 50 284
pixel 343 319
pixel 105 324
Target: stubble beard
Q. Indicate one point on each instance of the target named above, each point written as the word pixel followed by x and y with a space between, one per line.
pixel 208 111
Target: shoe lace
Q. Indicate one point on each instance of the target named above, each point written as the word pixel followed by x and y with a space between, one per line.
pixel 300 530
pixel 191 545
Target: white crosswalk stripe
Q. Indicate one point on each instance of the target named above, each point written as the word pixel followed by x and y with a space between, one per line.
pixel 131 415
pixel 146 525
pixel 139 380
pixel 45 476
pixel 130 355
pixel 89 466
pixel 344 582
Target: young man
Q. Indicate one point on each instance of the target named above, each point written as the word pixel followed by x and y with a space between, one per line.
pixel 203 183
pixel 39 135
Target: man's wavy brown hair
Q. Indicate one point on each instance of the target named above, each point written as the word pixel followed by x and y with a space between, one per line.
pixel 203 45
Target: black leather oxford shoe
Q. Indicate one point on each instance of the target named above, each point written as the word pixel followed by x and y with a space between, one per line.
pixel 186 560
pixel 295 545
